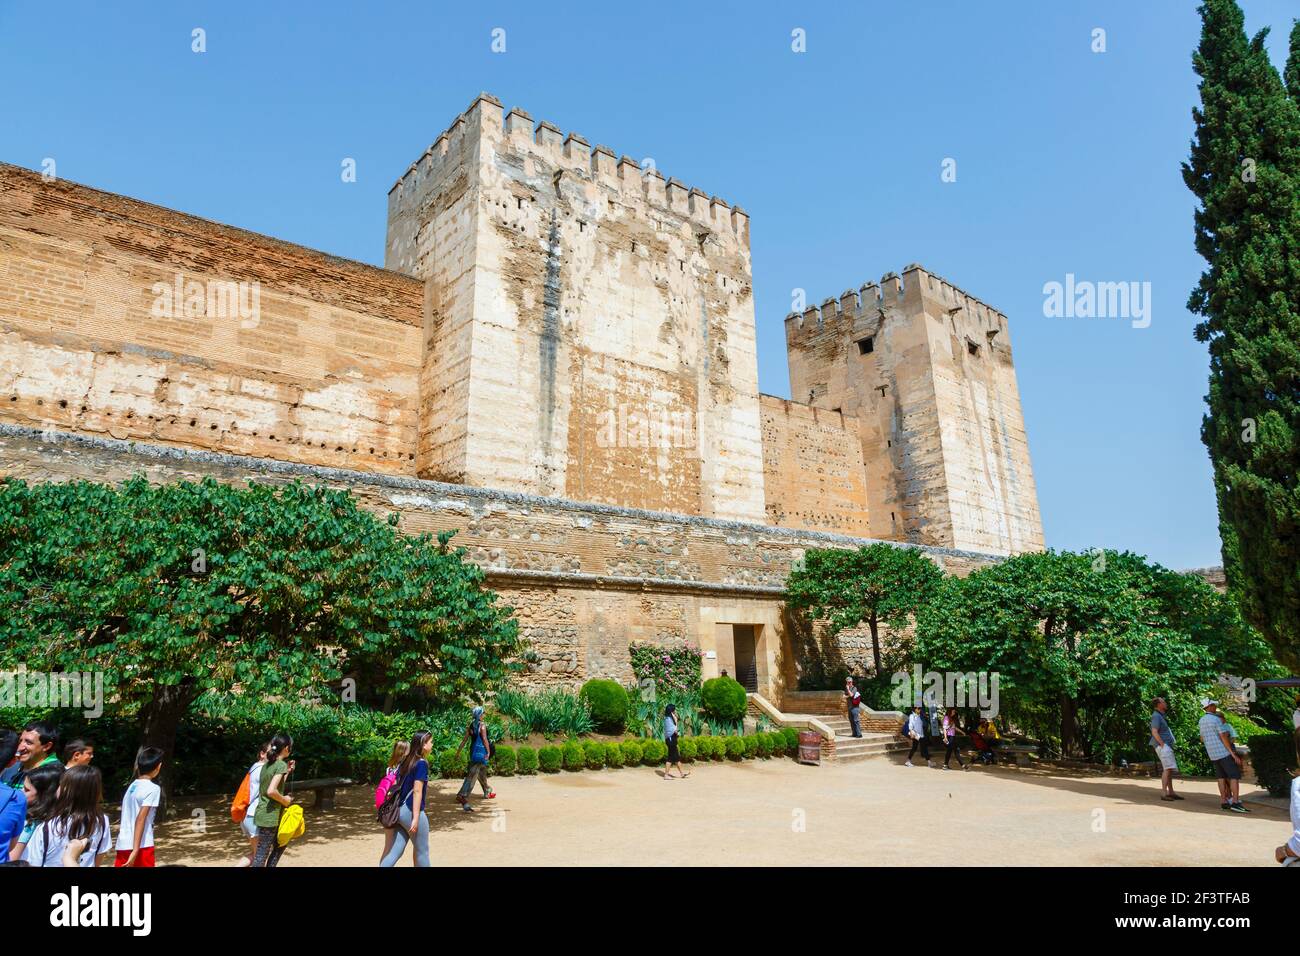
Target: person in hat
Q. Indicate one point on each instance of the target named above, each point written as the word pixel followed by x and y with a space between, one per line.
pixel 1162 738
pixel 480 751
pixel 1218 747
pixel 854 700
pixel 670 738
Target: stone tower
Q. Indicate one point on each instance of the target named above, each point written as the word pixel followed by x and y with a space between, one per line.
pixel 927 371
pixel 589 326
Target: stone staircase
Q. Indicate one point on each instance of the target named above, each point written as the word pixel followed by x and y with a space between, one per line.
pixel 825 713
pixel 871 744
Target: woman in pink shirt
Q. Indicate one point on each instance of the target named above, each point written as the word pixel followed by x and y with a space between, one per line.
pixel 950 738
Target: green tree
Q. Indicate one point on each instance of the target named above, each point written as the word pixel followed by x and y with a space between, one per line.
pixel 1082 642
pixel 273 592
pixel 1292 72
pixel 1244 168
pixel 879 584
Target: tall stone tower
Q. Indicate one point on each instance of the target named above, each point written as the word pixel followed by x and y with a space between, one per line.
pixel 589 327
pixel 927 371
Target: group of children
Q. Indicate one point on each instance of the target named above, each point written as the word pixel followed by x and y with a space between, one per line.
pixel 50 808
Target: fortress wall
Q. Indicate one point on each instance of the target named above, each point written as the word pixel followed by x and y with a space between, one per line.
pixel 585 579
pixel 123 319
pixel 612 349
pixel 812 468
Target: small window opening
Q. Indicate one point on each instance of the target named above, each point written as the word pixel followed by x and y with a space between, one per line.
pixel 866 346
pixel 972 348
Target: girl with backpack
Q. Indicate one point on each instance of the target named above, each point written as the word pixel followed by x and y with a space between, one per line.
pixel 412 825
pixel 40 787
pixel 272 801
pixel 252 780
pixel 950 729
pixel 389 780
pixel 480 752
pixel 75 815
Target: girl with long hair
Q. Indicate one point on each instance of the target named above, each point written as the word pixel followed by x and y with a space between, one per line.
pixel 413 824
pixel 400 750
pixel 75 815
pixel 40 786
pixel 272 800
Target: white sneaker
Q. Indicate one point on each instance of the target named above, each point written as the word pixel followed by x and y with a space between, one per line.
pixel 946 767
pixel 908 764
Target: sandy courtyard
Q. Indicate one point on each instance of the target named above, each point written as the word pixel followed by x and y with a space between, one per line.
pixel 776 812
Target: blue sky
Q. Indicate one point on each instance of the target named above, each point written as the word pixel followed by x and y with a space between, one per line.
pixel 1067 162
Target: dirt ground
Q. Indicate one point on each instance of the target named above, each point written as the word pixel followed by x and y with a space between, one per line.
pixel 776 812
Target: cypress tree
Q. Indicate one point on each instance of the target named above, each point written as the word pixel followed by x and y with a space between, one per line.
pixel 1292 73
pixel 1245 170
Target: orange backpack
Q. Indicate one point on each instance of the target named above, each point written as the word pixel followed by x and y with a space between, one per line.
pixel 243 796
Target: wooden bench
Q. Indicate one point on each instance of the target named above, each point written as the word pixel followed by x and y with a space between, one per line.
pixel 323 788
pixel 1017 752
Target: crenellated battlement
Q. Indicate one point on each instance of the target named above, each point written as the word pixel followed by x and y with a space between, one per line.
pixel 485 118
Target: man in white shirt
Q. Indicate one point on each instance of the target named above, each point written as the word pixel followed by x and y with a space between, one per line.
pixel 1288 853
pixel 916 730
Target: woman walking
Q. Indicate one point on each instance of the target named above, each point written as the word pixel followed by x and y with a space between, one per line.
pixel 670 738
pixel 390 780
pixel 950 739
pixel 271 801
pixel 480 751
pixel 249 824
pixel 412 823
pixel 916 730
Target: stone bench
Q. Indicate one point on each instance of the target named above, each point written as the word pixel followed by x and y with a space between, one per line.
pixel 322 788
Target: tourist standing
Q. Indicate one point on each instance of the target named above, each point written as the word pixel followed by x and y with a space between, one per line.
pixel 139 804
pixel 37 746
pixel 480 751
pixel 670 738
pixel 1218 747
pixel 854 700
pixel 249 824
pixel 390 779
pixel 40 787
pixel 272 801
pixel 76 815
pixel 950 739
pixel 413 823
pixel 1162 739
pixel 78 752
pixel 917 731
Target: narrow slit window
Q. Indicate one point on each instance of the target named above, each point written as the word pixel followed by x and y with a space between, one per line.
pixel 866 346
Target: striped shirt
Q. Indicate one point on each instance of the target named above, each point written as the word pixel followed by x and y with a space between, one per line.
pixel 1211 726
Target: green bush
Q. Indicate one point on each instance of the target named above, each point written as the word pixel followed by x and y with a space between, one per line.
pixel 526 760
pixel 631 752
pixel 763 745
pixel 614 755
pixel 504 761
pixel 549 712
pixel 735 748
pixel 654 752
pixel 1274 758
pixel 608 703
pixel 706 747
pixel 574 756
pixel 751 746
pixel 686 746
pixel 791 740
pixel 594 753
pixel 550 758
pixel 451 765
pixel 723 698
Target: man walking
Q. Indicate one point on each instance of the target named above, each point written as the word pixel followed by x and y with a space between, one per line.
pixel 1162 738
pixel 1218 747
pixel 855 703
pixel 917 731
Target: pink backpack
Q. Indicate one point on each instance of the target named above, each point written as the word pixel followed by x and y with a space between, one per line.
pixel 385 785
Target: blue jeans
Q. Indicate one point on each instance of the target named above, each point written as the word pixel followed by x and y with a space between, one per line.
pixel 402 836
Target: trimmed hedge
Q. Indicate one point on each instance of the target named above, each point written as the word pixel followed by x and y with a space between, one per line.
pixel 550 758
pixel 686 747
pixel 654 752
pixel 614 756
pixel 451 766
pixel 791 740
pixel 526 760
pixel 575 758
pixel 735 748
pixel 631 752
pixel 594 752
pixel 1274 758
pixel 723 698
pixel 608 702
pixel 503 761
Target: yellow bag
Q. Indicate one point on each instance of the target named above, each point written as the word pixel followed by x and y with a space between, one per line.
pixel 291 824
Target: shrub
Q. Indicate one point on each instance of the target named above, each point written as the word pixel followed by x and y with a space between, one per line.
pixel 607 701
pixel 574 757
pixel 614 755
pixel 723 698
pixel 654 752
pixel 791 740
pixel 686 746
pixel 504 761
pixel 550 758
pixel 631 752
pixel 1274 757
pixel 451 766
pixel 735 748
pixel 717 747
pixel 751 746
pixel 763 745
pixel 526 760
pixel 594 752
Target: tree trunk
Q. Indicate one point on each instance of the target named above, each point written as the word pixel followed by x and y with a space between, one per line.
pixel 159 721
pixel 875 643
pixel 1069 725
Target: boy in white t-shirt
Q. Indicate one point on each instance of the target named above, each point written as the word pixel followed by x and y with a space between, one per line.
pixel 139 804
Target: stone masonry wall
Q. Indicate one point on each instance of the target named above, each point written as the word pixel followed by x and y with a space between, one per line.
pixel 95 339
